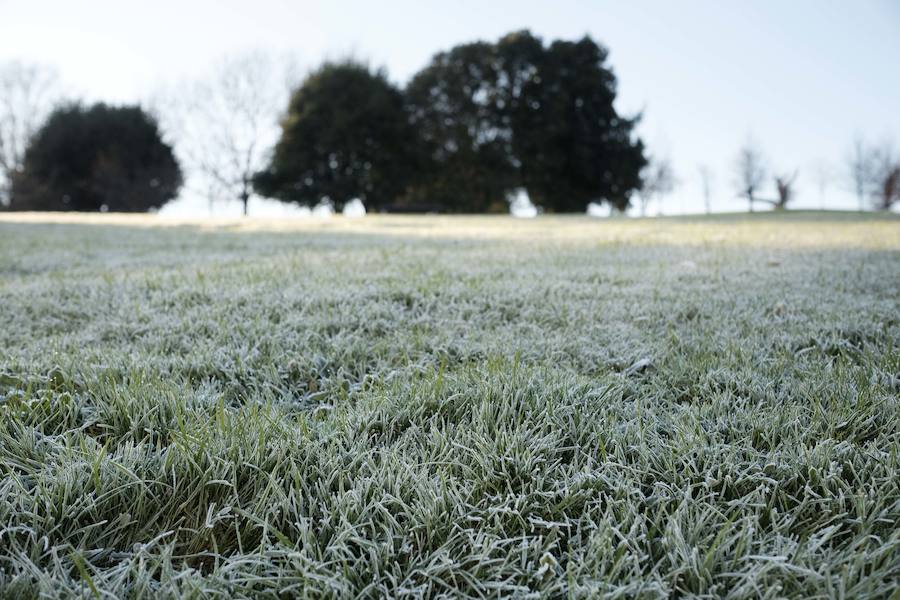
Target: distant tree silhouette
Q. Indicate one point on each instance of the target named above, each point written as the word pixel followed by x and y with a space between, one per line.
pixel 453 106
pixel 874 174
pixel 657 180
pixel 573 146
pixel 706 179
pixel 889 190
pixel 822 175
pixel 859 170
pixel 97 158
pixel 784 186
pixel 750 171
pixel 498 116
pixel 225 123
pixel 345 136
pixel 883 177
pixel 28 93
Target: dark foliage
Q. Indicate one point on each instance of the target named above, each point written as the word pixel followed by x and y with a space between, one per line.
pixel 454 105
pixel 517 113
pixel 345 136
pixel 784 186
pixel 97 158
pixel 481 120
pixel 883 177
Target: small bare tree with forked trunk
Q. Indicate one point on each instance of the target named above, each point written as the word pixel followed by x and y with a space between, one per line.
pixel 224 125
pixel 784 187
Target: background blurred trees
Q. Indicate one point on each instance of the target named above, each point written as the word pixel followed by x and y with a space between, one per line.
pixel 455 106
pixel 96 158
pixel 750 171
pixel 706 182
pixel 785 190
pixel 858 170
pixel 657 180
pixel 478 122
pixel 494 117
pixel 883 176
pixel 573 146
pixel 822 174
pixel 27 94
pixel 481 123
pixel 225 124
pixel 874 174
pixel 345 136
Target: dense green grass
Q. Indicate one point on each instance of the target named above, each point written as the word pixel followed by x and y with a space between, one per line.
pixel 425 407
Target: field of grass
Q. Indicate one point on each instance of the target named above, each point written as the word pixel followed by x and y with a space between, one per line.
pixel 450 407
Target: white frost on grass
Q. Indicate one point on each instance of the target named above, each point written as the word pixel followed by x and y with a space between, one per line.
pixel 520 205
pixel 226 407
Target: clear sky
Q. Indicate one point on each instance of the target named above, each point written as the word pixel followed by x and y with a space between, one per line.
pixel 803 77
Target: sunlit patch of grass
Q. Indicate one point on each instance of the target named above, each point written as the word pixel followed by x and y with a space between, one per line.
pixel 457 407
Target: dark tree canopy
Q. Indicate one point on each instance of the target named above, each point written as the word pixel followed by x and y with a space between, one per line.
pixel 478 122
pixel 574 147
pixel 345 136
pixel 453 104
pixel 517 113
pixel 97 158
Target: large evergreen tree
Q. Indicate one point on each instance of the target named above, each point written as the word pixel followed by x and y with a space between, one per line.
pixel 453 105
pixel 572 144
pixel 345 136
pixel 517 113
pixel 97 158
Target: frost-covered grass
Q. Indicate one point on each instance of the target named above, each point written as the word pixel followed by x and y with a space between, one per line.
pixel 456 407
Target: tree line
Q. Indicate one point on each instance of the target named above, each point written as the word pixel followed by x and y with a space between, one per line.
pixel 477 123
pixel 872 170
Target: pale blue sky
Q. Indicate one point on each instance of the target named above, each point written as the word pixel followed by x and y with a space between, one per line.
pixel 803 77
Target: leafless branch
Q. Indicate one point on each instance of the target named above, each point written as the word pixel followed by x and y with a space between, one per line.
pixel 27 94
pixel 750 171
pixel 224 125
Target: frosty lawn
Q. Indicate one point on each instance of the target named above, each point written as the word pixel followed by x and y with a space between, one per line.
pixel 428 406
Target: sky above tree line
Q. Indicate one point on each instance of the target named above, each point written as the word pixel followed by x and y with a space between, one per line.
pixel 803 78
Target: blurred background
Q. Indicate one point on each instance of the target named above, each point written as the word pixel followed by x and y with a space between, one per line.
pixel 805 91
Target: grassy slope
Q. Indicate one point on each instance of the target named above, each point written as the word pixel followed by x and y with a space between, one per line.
pixel 461 406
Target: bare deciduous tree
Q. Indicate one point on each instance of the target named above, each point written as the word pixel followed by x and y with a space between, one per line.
pixel 858 170
pixel 874 172
pixel 822 174
pixel 706 177
pixel 750 171
pixel 223 126
pixel 657 180
pixel 884 177
pixel 27 94
pixel 784 187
